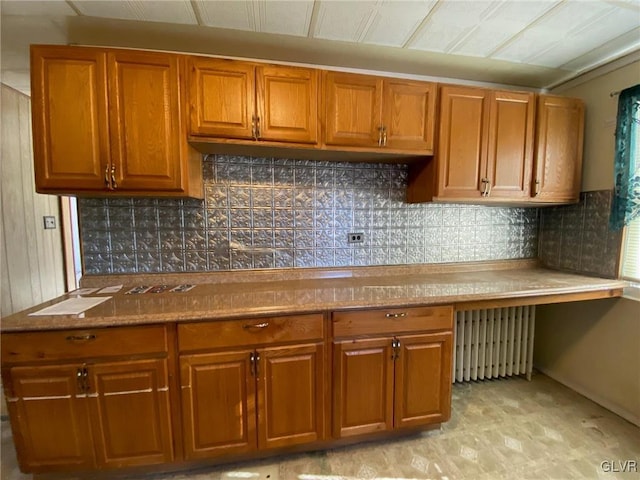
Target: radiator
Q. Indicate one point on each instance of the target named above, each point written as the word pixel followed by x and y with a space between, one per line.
pixel 493 342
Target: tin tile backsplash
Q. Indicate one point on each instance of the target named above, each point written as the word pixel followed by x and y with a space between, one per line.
pixel 577 237
pixel 271 213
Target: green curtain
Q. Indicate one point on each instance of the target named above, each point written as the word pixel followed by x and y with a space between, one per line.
pixel 626 195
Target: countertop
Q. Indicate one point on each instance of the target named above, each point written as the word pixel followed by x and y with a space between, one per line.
pixel 228 296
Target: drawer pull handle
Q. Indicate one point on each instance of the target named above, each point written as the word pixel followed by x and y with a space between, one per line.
pixel 396 315
pixel 257 325
pixel 81 338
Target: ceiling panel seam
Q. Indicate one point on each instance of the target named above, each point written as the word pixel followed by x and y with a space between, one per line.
pixel 464 37
pixel 74 8
pixel 315 18
pixel 532 24
pixel 418 30
pixel 196 12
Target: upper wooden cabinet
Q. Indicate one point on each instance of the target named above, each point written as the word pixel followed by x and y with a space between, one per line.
pixel 558 157
pixel 485 146
pixel 108 121
pixel 241 100
pixel 374 112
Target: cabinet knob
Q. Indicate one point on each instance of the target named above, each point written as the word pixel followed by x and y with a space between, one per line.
pixel 536 188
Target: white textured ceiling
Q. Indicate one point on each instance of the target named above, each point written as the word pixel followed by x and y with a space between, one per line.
pixel 533 43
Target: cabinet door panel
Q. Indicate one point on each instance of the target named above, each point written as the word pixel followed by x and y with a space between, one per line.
pixel 287 100
pixel 218 404
pixel 129 403
pixel 145 123
pixel 49 419
pixel 222 97
pixel 290 395
pixel 423 380
pixel 69 113
pixel 363 387
pixel 510 153
pixel 558 168
pixel 352 105
pixel 408 114
pixel 462 142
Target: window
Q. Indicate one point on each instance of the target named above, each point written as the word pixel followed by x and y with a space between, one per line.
pixel 630 268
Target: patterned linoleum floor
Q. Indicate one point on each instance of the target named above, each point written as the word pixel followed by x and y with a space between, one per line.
pixel 500 429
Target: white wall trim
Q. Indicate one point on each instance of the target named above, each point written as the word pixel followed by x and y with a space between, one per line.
pixel 600 400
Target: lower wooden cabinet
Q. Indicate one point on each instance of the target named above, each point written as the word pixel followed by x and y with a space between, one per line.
pixel 384 381
pixel 251 396
pixel 82 400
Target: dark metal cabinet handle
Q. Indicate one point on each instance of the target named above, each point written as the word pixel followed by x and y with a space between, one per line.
pixel 80 380
pixel 396 315
pixel 106 177
pixel 114 184
pixel 81 338
pixel 536 188
pixel 85 379
pixel 256 325
pixel 257 357
pixel 252 363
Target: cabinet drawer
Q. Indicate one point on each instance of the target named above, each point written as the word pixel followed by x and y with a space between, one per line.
pixel 84 343
pixel 392 321
pixel 206 335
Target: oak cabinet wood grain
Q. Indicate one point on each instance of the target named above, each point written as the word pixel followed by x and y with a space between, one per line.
pixel 558 151
pixel 384 382
pixel 485 148
pixel 260 384
pixel 106 408
pixel 376 112
pixel 247 101
pixel 108 121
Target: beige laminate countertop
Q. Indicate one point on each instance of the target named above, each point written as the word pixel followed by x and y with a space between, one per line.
pixel 475 286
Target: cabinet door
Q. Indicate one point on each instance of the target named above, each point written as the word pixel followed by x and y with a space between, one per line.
pixel 462 153
pixel 408 115
pixel 130 415
pixel 69 114
pixel 145 121
pixel 290 395
pixel 352 109
pixel 423 380
pixel 510 155
pixel 287 101
pixel 221 97
pixel 363 387
pixel 218 404
pixel 558 157
pixel 49 419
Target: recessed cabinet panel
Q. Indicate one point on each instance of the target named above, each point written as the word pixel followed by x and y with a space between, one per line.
pixel 222 98
pixel 510 153
pixel 51 416
pixel 218 404
pixel 290 395
pixel 129 404
pixel 69 113
pixel 423 379
pixel 352 105
pixel 145 91
pixel 363 387
pixel 558 167
pixel 461 147
pixel 287 104
pixel 408 114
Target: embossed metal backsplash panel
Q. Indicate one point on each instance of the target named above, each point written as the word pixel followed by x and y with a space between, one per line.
pixel 577 237
pixel 269 213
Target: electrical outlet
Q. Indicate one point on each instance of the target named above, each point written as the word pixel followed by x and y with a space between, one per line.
pixel 356 237
pixel 49 222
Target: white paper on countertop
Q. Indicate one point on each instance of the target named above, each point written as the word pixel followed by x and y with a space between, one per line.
pixel 71 306
pixel 111 289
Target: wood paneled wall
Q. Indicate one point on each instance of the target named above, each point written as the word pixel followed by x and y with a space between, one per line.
pixel 32 267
